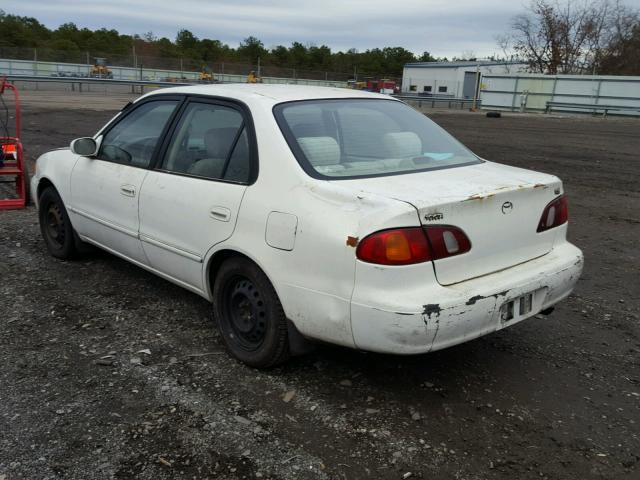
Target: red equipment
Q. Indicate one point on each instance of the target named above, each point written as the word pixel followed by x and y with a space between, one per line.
pixel 382 84
pixel 12 162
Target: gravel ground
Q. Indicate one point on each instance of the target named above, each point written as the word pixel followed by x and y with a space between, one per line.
pixel 111 372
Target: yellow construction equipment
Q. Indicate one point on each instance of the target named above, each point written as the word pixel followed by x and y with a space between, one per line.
pixel 100 69
pixel 206 75
pixel 253 78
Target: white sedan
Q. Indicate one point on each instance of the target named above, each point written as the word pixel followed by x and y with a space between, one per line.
pixel 313 213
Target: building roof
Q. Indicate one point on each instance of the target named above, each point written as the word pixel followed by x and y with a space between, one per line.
pixel 462 64
pixel 269 93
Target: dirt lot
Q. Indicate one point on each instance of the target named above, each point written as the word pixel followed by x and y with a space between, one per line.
pixel 110 372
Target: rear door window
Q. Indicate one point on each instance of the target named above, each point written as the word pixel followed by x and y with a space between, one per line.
pixel 210 141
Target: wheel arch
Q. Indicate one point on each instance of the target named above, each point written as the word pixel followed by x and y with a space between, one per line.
pixel 298 344
pixel 43 183
pixel 224 253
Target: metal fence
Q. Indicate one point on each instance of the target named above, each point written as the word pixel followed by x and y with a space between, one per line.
pixel 141 73
pixel 570 93
pixel 419 102
pixel 104 85
pixel 183 65
pixel 78 70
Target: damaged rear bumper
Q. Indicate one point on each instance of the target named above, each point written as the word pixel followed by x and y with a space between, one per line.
pixel 405 311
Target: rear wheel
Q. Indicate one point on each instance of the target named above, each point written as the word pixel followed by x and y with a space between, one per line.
pixel 249 314
pixel 55 225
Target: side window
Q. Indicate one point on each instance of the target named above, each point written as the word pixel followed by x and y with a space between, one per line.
pixel 239 166
pixel 133 139
pixel 211 142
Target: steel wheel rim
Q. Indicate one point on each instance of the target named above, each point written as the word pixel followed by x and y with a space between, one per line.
pixel 55 227
pixel 245 313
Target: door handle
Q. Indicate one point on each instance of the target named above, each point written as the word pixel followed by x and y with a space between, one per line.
pixel 128 190
pixel 220 213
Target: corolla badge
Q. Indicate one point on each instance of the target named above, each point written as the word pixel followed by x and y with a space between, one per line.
pixel 507 207
pixel 432 217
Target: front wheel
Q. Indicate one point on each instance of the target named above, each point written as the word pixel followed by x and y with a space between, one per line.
pixel 55 225
pixel 249 314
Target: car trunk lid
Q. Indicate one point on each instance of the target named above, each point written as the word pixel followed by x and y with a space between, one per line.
pixel 498 207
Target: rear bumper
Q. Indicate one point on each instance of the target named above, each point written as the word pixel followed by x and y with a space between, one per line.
pixel 403 312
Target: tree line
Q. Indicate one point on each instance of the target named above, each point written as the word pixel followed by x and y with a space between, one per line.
pixel 19 31
pixel 551 36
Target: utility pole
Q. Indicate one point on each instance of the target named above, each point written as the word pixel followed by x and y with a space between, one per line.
pixel 259 68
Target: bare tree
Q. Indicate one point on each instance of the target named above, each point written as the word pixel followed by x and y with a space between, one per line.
pixel 569 36
pixel 621 54
pixel 505 43
pixel 467 55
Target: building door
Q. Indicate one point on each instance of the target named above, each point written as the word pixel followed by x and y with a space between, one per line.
pixel 469 85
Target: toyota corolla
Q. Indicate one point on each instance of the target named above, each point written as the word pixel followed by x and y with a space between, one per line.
pixel 309 213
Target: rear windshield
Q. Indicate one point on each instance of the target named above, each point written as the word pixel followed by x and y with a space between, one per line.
pixel 365 138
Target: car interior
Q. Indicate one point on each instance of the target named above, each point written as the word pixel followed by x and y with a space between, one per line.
pixel 357 140
pixel 211 141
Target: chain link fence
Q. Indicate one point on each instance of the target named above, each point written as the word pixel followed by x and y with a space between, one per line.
pixel 170 63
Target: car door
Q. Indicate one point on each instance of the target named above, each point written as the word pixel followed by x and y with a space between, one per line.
pixel 105 188
pixel 191 200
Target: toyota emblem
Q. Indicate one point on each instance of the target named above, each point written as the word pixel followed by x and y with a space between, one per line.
pixel 507 207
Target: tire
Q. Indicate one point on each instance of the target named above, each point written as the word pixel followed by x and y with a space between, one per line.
pixel 494 114
pixel 249 314
pixel 55 225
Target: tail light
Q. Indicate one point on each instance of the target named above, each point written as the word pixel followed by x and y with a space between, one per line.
pixel 447 241
pixel 405 246
pixel 554 214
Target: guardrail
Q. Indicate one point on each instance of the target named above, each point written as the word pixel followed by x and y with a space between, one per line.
pixel 434 101
pixel 79 81
pixel 593 108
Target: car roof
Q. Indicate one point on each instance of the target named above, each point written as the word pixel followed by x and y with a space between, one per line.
pixel 269 93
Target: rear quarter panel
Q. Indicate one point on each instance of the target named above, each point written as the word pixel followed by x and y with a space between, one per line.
pixel 315 279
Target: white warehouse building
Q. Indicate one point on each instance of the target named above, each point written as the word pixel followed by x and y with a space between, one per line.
pixel 453 79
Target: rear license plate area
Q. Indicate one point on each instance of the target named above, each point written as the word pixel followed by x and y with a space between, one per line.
pixel 517 308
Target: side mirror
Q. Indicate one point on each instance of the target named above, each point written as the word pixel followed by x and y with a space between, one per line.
pixel 85 146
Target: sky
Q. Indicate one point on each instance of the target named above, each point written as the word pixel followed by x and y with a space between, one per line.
pixel 442 27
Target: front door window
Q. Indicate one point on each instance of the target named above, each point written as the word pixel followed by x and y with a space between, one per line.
pixel 133 140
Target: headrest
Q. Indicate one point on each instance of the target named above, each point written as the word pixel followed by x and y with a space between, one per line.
pixel 308 130
pixel 208 167
pixel 402 144
pixel 320 150
pixel 218 141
